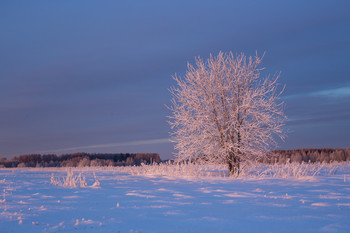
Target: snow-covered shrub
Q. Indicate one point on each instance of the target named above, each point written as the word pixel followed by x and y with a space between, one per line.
pixel 97 182
pixel 180 170
pixel 70 180
pixel 95 163
pixel 287 170
pixel 85 162
pixel 21 165
pixel 248 170
pixel 54 180
pixel 4 196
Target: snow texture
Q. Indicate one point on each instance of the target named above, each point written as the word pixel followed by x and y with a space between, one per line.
pixel 124 203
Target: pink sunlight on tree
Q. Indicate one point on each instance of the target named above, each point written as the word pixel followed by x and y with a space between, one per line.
pixel 225 112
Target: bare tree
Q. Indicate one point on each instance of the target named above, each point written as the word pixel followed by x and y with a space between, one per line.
pixel 224 112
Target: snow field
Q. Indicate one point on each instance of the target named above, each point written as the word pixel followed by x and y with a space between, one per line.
pixel 144 199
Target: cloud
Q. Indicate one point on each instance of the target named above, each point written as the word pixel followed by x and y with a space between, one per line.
pixel 108 145
pixel 333 93
pixel 315 119
pixel 338 92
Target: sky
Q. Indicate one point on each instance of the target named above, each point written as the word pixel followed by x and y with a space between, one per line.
pixel 94 76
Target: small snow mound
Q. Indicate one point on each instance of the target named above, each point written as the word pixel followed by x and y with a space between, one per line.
pixel 97 184
pixel 84 221
pixel 258 190
pixel 20 220
pixel 210 218
pixel 237 194
pixel 323 204
pixel 176 212
pixel 139 195
pixel 179 195
pixel 132 231
pixel 228 201
pixel 343 204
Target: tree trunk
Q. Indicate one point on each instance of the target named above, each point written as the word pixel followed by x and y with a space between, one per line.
pixel 233 164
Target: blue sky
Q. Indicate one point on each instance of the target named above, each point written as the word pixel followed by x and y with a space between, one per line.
pixel 94 75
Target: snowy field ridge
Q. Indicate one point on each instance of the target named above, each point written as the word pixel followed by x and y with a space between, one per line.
pixel 176 198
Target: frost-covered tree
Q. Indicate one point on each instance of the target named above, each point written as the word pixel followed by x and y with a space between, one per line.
pixel 224 112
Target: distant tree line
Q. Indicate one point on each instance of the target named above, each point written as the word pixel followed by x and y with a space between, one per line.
pixel 308 155
pixel 80 159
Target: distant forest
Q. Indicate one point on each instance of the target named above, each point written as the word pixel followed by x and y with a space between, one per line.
pixel 79 159
pixel 82 159
pixel 308 155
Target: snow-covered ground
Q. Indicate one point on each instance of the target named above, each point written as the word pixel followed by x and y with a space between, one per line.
pixel 31 202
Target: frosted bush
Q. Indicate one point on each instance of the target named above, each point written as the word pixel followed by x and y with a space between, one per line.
pixel 288 170
pixel 4 197
pixel 248 170
pixel 251 170
pixel 71 180
pixel 97 182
